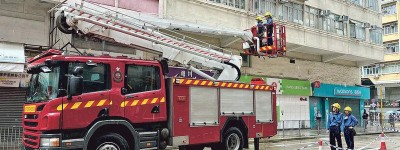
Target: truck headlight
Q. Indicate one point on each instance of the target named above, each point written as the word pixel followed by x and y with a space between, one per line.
pixel 50 142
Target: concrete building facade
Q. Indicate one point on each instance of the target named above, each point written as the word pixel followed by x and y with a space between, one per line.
pixel 386 74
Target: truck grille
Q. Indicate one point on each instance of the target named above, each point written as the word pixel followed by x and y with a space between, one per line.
pixel 30 124
pixel 31 138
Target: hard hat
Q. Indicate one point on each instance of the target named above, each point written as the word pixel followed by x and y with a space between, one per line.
pixel 347 108
pixel 268 14
pixel 259 18
pixel 337 105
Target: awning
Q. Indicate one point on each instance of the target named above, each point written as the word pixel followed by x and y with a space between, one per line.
pixel 12 57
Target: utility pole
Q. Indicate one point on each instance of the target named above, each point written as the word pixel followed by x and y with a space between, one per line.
pixel 381 115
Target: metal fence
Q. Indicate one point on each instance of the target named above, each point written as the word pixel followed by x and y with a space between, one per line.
pixel 301 128
pixel 11 138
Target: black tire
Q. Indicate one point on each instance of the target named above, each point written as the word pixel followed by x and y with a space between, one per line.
pixel 110 139
pixel 231 136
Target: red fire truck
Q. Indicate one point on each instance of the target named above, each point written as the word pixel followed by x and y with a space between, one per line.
pixel 103 102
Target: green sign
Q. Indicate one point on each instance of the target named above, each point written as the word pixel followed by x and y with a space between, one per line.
pixel 296 87
pixel 245 79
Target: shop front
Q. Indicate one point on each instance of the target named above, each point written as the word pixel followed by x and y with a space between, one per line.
pixel 327 94
pixel 292 101
pixel 13 81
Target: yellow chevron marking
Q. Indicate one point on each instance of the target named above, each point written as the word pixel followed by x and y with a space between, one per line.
pixel 76 105
pixel 62 106
pixel 134 103
pixel 267 88
pixel 182 81
pixel 223 84
pixel 162 100
pixel 247 86
pixel 188 81
pixel 229 84
pixel 124 103
pixel 145 101
pixel 235 85
pixel 173 80
pixel 210 83
pixel 257 86
pixel 101 103
pixel 154 100
pixel 89 104
pixel 262 87
pixel 110 103
pixel 241 85
pixel 203 83
pixel 196 82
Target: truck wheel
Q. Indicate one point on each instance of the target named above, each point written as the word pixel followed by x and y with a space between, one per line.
pixel 110 141
pixel 233 139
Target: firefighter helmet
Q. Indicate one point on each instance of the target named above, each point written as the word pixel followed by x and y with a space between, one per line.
pixel 259 18
pixel 347 108
pixel 268 14
pixel 337 105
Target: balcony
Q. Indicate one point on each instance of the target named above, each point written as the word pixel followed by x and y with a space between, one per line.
pixel 389 18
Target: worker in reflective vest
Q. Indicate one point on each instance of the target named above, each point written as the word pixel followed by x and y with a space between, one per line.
pixel 270 28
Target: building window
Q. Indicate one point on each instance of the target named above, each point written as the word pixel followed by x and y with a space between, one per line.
pixel 312 17
pixel 246 60
pixel 263 6
pixel 392 48
pixel 370 70
pixel 375 36
pixel 389 9
pixel 369 4
pixel 241 4
pixel 390 28
pixel 357 30
pixel 292 12
pixel 391 68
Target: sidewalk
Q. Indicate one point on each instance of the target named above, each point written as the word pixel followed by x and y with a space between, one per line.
pixel 295 134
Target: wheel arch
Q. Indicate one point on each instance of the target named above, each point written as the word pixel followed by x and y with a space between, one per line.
pixel 238 123
pixel 122 127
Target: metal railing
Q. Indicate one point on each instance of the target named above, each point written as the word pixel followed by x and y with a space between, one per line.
pixel 302 128
pixel 10 138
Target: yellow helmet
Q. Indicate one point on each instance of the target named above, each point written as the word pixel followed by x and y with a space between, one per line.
pixel 259 18
pixel 347 108
pixel 337 105
pixel 268 14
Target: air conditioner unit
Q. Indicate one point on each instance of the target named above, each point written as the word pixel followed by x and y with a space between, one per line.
pixel 366 25
pixel 326 12
pixel 344 18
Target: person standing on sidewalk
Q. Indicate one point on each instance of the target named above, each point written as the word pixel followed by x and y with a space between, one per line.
pixel 335 126
pixel 365 118
pixel 349 123
pixel 318 117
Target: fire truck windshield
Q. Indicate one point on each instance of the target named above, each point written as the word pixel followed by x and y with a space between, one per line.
pixel 43 85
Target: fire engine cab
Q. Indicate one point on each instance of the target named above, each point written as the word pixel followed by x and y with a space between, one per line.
pixel 103 102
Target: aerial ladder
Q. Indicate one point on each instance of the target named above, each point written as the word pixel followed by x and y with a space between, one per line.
pixel 106 24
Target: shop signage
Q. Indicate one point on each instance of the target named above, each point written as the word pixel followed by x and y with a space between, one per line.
pixel 296 87
pixel 8 79
pixel 347 92
pixel 339 91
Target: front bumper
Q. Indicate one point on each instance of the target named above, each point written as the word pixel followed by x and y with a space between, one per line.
pixel 65 144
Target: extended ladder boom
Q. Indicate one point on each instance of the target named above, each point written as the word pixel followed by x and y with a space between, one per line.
pixel 100 22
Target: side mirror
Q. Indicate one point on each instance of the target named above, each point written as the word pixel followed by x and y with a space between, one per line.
pixel 164 66
pixel 75 83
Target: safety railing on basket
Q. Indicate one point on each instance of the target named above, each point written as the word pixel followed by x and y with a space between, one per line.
pixel 10 138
